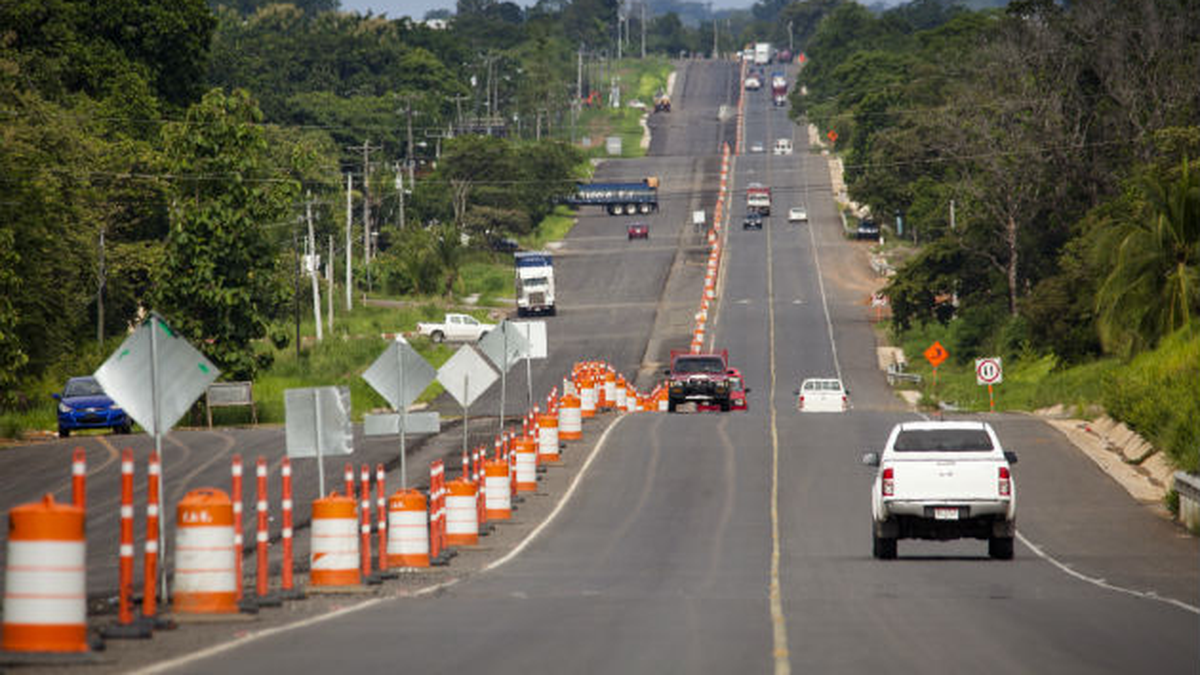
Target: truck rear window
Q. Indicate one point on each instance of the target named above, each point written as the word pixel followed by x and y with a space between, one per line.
pixel 699 365
pixel 943 440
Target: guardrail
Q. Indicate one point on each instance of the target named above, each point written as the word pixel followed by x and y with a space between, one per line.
pixel 1188 488
pixel 896 373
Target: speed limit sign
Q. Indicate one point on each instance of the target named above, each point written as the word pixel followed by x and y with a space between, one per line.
pixel 989 371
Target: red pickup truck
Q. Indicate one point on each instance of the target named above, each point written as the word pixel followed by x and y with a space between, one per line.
pixel 703 379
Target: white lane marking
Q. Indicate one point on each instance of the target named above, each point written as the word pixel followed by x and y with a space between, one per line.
pixel 837 365
pixel 187 659
pixel 1102 583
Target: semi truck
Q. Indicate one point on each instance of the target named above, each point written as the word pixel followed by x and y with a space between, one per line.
pixel 762 53
pixel 618 198
pixel 758 198
pixel 778 88
pixel 535 283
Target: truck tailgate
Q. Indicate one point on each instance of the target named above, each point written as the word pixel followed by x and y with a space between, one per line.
pixel 945 479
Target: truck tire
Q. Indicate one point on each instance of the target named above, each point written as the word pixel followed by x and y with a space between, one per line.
pixel 553 311
pixel 521 312
pixel 63 433
pixel 670 405
pixel 1000 548
pixel 437 336
pixel 725 405
pixel 883 548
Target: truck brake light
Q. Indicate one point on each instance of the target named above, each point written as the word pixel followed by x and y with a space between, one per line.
pixel 800 403
pixel 889 482
pixel 1005 482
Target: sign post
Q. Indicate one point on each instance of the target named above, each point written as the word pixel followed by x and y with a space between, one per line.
pixel 504 346
pixel 989 371
pixel 466 375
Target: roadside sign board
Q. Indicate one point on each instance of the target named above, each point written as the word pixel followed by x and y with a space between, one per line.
pixel 183 374
pixel 466 375
pixel 317 421
pixel 534 333
pixel 400 363
pixel 989 371
pixel 504 346
pixel 936 354
pixel 388 424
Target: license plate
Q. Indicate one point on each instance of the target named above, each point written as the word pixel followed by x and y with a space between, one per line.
pixel 949 513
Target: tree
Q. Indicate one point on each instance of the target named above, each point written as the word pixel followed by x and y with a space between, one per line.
pixel 215 283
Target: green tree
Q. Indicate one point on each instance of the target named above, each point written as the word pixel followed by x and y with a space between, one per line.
pixel 215 283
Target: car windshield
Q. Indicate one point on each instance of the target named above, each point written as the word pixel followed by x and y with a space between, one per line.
pixel 823 385
pixel 536 281
pixel 88 387
pixel 709 364
pixel 943 440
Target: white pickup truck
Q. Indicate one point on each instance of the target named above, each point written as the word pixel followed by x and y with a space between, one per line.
pixel 942 481
pixel 455 327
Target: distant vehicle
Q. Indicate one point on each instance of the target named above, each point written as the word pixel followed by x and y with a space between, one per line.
pixel 535 283
pixel 783 146
pixel 505 245
pixel 867 229
pixel 638 231
pixel 618 198
pixel 822 394
pixel 762 53
pixel 698 220
pixel 752 221
pixel 942 481
pixel 756 146
pixel 84 405
pixel 455 327
pixel 698 378
pixel 737 391
pixel 797 214
pixel 753 83
pixel 662 103
pixel 779 100
pixel 783 56
pixel 758 198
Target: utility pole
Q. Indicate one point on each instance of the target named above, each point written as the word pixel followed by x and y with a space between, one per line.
pixel 791 37
pixel 366 148
pixel 618 31
pixel 313 269
pixel 458 99
pixel 408 111
pixel 329 288
pixel 643 29
pixel 296 284
pixel 400 192
pixel 349 223
pixel 579 74
pixel 951 214
pixel 101 282
pixel 716 54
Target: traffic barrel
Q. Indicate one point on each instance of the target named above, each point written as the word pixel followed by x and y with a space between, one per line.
pixel 462 520
pixel 587 395
pixel 570 418
pixel 205 567
pixel 45 579
pixel 526 460
pixel 408 522
pixel 547 424
pixel 610 389
pixel 496 490
pixel 621 395
pixel 334 557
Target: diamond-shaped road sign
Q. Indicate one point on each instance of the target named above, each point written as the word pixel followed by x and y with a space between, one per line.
pixel 505 345
pixel 466 375
pixel 400 363
pixel 183 374
pixel 318 419
pixel 534 333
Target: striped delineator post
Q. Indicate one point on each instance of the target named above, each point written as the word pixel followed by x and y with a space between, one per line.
pixel 150 560
pixel 526 461
pixel 334 557
pixel 205 567
pixel 496 493
pixel 348 478
pixel 79 478
pixel 235 488
pixel 287 582
pixel 381 518
pixel 462 520
pixel 408 518
pixel 437 511
pixel 262 534
pixel 547 424
pixel 364 511
pixel 570 419
pixel 125 565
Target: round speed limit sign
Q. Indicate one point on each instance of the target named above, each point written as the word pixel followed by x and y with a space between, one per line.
pixel 989 371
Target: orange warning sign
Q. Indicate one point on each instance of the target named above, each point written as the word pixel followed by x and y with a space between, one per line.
pixel 936 354
pixel 832 136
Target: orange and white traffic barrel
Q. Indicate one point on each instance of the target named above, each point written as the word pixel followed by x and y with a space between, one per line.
pixel 205 556
pixel 621 395
pixel 610 389
pixel 547 424
pixel 663 400
pixel 497 493
pixel 570 418
pixel 587 396
pixel 462 518
pixel 45 579
pixel 333 557
pixel 526 452
pixel 408 525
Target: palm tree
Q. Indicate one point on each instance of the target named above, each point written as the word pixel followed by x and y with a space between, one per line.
pixel 1153 286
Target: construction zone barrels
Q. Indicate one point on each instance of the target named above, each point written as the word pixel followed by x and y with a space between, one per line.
pixel 334 550
pixel 570 418
pixel 205 556
pixel 497 494
pixel 45 598
pixel 547 424
pixel 408 525
pixel 526 452
pixel 587 394
pixel 462 516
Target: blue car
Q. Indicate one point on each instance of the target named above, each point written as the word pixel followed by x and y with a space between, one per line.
pixel 84 405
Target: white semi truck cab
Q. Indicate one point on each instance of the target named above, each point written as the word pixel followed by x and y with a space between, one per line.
pixel 535 283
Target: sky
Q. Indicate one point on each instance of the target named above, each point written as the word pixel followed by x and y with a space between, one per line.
pixel 417 8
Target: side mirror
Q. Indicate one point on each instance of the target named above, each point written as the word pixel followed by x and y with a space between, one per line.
pixel 748 390
pixel 1010 456
pixel 667 372
pixel 56 397
pixel 871 459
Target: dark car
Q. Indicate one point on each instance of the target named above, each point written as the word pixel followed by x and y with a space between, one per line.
pixel 702 379
pixel 638 231
pixel 753 221
pixel 867 229
pixel 505 245
pixel 84 405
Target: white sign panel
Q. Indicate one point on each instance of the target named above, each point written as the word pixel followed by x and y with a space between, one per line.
pixel 318 415
pixel 989 371
pixel 388 424
pixel 400 362
pixel 183 375
pixel 505 346
pixel 466 375
pixel 534 333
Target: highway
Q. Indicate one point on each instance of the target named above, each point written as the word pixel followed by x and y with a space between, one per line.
pixel 740 542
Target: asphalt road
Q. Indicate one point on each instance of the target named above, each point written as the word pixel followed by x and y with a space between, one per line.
pixel 740 542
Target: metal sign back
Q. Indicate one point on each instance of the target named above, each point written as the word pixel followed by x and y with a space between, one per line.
pixel 505 345
pixel 318 415
pixel 384 375
pixel 466 375
pixel 534 333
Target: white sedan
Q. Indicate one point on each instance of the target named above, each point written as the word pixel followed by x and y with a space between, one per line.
pixel 822 394
pixel 797 214
pixel 757 146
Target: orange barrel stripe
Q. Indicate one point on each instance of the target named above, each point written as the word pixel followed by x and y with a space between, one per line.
pixel 334 550
pixel 570 419
pixel 621 395
pixel 496 491
pixel 587 395
pixel 205 567
pixel 462 521
pixel 548 437
pixel 408 520
pixel 45 579
pixel 526 453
